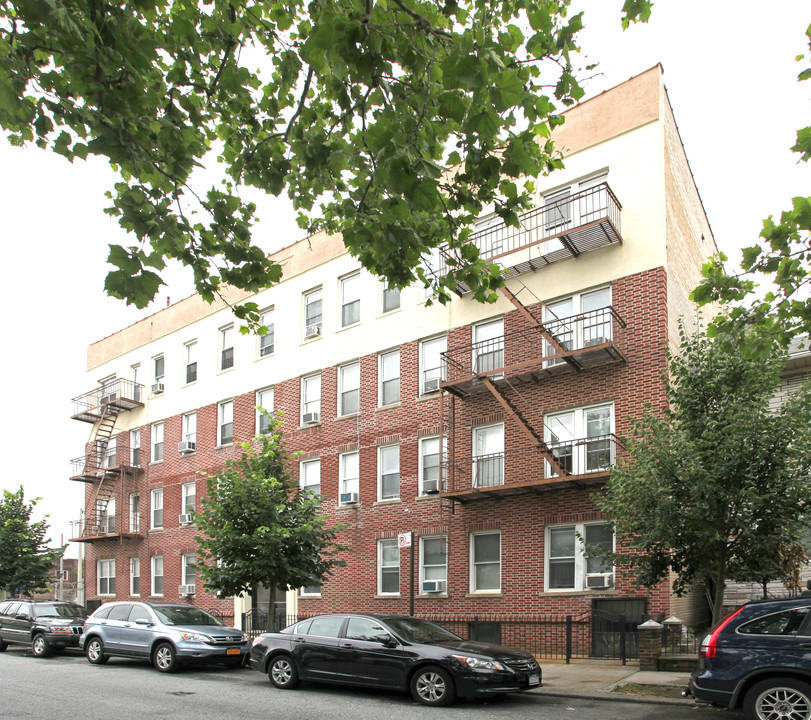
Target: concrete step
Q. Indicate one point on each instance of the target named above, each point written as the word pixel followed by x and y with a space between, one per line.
pixel 678 663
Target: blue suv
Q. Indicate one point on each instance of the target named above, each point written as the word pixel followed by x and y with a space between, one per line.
pixel 759 659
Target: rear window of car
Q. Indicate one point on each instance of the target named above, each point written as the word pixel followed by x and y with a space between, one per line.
pixel 12 608
pixel 787 622
pixel 3 607
pixel 102 612
pixel 120 612
pixel 326 626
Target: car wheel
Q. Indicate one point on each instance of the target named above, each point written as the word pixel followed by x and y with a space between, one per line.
pixel 165 658
pixel 778 698
pixel 40 646
pixel 283 673
pixel 432 686
pixel 95 651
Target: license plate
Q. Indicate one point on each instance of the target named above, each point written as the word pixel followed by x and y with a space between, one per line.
pixel 534 680
pixel 235 651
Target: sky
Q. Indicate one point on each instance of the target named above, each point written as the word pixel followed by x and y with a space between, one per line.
pixel 731 78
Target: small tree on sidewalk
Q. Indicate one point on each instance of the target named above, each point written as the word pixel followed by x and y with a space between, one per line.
pixel 258 527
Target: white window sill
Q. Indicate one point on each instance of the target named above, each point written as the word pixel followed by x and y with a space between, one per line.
pixel 347 416
pixel 389 406
pixel 485 594
pixel 387 596
pixel 388 501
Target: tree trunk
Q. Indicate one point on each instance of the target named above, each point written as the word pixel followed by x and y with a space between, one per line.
pixel 718 595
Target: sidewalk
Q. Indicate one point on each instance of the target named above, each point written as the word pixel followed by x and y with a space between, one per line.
pixel 596 679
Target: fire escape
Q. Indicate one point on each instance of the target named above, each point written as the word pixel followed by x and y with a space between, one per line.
pixel 110 470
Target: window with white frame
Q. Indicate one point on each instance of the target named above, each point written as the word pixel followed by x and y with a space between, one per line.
pixel 135 371
pixel 267 341
pixel 431 369
pixel 156 509
pixel 433 559
pixel 264 400
pixel 107 452
pixel 578 322
pixel 190 357
pixel 135 513
pixel 188 497
pixel 157 575
pixel 488 459
pixel 158 369
pixel 388 567
pixel 578 204
pixel 225 422
pixel 157 442
pixel 431 262
pixel 105 511
pixel 227 347
pixel 108 388
pixel 189 570
pixel 135 447
pixel 313 315
pixel 488 347
pixel 350 300
pixel 135 576
pixel 190 429
pixel 580 440
pixel 389 298
pixel 388 472
pixel 311 399
pixel 313 590
pixel 310 473
pixel 389 373
pixel 485 562
pixel 349 470
pixel 105 576
pixel 349 389
pixel 430 468
pixel 571 564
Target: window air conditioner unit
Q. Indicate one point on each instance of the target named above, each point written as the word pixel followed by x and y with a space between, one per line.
pixel 310 418
pixel 157 388
pixel 186 446
pixel 430 487
pixel 434 586
pixel 186 589
pixel 431 385
pixel 349 498
pixel 108 398
pixel 185 519
pixel 312 331
pixel 603 580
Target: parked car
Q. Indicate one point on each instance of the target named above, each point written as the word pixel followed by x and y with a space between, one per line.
pixel 759 659
pixel 392 651
pixel 166 634
pixel 45 625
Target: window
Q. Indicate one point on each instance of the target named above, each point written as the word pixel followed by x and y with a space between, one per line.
pixel 578 322
pixel 107 453
pixel 388 567
pixel 157 442
pixel 488 347
pixel 266 341
pixel 136 387
pixel 488 460
pixel 350 300
pixel 309 590
pixel 157 574
pixel 311 399
pixel 389 373
pixel 312 314
pixel 581 440
pixel 157 509
pixel 431 370
pixel 311 475
pixel 190 352
pixel 225 422
pixel 389 298
pixel 264 400
pixel 349 389
pixel 227 347
pixel 388 471
pixel 787 622
pixel 433 559
pixel 157 365
pixel 135 576
pixel 580 203
pixel 135 447
pixel 190 428
pixel 106 577
pixel 135 513
pixel 429 465
pixel 189 496
pixel 105 512
pixel 485 562
pixel 189 570
pixel 350 475
pixel 364 630
pixel 568 565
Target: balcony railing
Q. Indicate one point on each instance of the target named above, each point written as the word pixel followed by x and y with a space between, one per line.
pixel 587 338
pixel 102 527
pixel 95 465
pixel 524 470
pixel 119 394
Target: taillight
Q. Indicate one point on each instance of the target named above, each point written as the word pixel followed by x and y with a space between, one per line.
pixel 708 644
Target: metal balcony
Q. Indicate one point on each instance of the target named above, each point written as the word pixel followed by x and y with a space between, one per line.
pixel 117 395
pixel 103 527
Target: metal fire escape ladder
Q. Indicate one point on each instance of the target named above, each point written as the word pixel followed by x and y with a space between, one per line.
pixel 102 491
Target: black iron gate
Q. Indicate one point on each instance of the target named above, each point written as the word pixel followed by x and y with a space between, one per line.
pixel 614 623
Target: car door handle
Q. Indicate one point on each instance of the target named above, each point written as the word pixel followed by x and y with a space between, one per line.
pixel 805 645
pixel 349 645
pixel 298 640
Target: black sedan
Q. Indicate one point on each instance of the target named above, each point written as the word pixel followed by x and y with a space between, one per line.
pixel 392 651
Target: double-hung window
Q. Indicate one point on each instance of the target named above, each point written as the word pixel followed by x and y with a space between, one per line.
pixel 569 563
pixel 157 442
pixel 157 574
pixel 349 477
pixel 433 561
pixel 578 204
pixel 485 562
pixel 136 386
pixel 313 314
pixel 135 513
pixel 267 341
pixel 135 576
pixel 105 572
pixel 227 347
pixel 189 497
pixel 581 440
pixel 158 369
pixel 311 399
pixel 264 401
pixel 189 570
pixel 225 422
pixel 578 322
pixel 488 461
pixel 388 567
pixel 190 430
pixel 350 300
pixel 310 473
pixel 431 370
pixel 388 466
pixel 389 298
pixel 190 352
pixel 349 389
pixel 135 447
pixel 432 477
pixel 156 511
pixel 488 347
pixel 389 372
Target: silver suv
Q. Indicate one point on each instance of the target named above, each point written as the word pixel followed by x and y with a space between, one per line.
pixel 166 634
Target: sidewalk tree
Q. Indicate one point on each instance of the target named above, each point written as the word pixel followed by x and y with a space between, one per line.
pixel 353 108
pixel 258 527
pixel 26 561
pixel 717 476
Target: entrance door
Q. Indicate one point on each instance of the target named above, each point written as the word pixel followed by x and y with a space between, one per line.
pixel 611 618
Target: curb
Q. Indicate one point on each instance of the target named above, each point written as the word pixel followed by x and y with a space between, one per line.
pixel 617 697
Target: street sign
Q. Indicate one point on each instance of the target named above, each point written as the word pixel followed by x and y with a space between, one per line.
pixel 404 539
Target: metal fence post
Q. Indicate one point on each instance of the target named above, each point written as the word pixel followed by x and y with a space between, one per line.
pixel 568 638
pixel 622 639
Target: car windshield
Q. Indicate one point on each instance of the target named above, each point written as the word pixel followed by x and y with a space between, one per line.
pixel 183 615
pixel 420 631
pixel 65 611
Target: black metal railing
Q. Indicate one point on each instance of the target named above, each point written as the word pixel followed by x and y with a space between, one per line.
pixel 256 622
pixel 123 394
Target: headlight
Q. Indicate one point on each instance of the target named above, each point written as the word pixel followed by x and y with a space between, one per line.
pixel 61 629
pixel 477 663
pixel 195 637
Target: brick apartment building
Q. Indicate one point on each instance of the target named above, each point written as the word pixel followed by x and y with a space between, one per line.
pixel 483 430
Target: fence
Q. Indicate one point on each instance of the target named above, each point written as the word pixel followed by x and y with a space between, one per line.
pixel 256 622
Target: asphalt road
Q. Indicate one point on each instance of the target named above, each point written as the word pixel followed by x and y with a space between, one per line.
pixel 67 687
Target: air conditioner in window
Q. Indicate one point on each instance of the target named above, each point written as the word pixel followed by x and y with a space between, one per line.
pixel 430 487
pixel 185 519
pixel 186 446
pixel 186 589
pixel 349 498
pixel 112 397
pixel 434 586
pixel 312 331
pixel 601 580
pixel 309 418
pixel 431 385
pixel 157 388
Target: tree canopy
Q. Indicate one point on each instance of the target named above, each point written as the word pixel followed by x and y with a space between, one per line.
pixel 26 561
pixel 720 478
pixel 258 527
pixel 354 108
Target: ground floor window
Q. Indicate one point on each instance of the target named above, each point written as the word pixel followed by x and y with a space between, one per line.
pixel 569 563
pixel 106 577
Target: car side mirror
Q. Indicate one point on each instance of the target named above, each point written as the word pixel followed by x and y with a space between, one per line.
pixel 386 640
pixel 143 621
pixel 23 616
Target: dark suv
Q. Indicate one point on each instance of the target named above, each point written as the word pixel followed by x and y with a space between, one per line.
pixel 759 659
pixel 46 625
